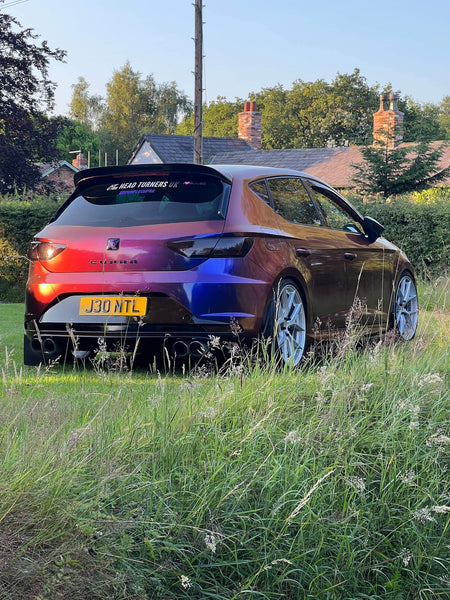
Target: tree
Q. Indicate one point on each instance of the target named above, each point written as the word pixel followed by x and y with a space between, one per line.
pixel 444 118
pixel 398 170
pixel 25 90
pixel 85 108
pixel 423 121
pixel 310 114
pixel 220 119
pixel 134 106
pixel 72 135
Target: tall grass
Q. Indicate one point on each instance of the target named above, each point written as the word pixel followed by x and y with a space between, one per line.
pixel 324 482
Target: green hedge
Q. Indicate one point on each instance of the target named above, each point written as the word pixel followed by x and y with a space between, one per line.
pixel 19 222
pixel 421 230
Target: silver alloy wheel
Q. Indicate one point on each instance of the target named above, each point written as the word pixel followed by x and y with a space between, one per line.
pixel 406 307
pixel 290 324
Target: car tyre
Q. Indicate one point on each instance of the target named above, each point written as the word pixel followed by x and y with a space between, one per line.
pixel 285 323
pixel 406 307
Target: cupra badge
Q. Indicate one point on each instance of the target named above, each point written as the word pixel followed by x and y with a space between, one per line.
pixel 113 244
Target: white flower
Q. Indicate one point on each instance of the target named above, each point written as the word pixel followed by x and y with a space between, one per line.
pixel 293 437
pixel 408 477
pixel 406 556
pixel 210 542
pixel 423 515
pixel 366 387
pixel 432 379
pixel 441 509
pixel 357 483
pixel 185 582
pixel 439 439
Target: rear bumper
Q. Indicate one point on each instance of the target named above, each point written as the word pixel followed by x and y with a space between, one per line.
pixel 196 303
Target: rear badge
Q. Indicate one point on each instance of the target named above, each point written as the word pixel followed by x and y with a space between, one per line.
pixel 113 244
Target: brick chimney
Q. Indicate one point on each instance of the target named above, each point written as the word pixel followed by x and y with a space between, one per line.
pixel 388 122
pixel 250 125
pixel 79 162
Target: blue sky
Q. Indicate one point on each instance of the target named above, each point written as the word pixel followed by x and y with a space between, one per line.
pixel 248 44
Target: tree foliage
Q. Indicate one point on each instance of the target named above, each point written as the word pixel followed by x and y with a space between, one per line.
pixel 133 105
pixel 423 121
pixel 26 90
pixel 398 170
pixel 318 114
pixel 84 108
pixel 220 119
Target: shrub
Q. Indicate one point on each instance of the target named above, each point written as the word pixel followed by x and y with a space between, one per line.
pixel 19 221
pixel 417 223
pixel 432 195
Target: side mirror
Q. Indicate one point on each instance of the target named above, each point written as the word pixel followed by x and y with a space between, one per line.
pixel 372 229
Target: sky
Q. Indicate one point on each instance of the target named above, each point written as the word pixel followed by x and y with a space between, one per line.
pixel 248 44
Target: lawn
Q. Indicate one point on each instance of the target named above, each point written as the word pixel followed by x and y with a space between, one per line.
pixel 325 482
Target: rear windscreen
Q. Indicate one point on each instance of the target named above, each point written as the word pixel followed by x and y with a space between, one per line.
pixel 148 200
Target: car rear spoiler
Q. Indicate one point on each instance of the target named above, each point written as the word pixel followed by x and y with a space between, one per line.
pixel 86 175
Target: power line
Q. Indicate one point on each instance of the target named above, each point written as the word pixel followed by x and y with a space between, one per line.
pixel 13 4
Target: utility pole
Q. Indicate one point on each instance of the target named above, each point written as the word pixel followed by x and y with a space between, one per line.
pixel 198 117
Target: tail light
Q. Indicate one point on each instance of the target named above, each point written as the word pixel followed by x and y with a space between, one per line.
pixel 212 247
pixel 44 250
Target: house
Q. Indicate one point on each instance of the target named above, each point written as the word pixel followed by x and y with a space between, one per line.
pixel 58 176
pixel 334 165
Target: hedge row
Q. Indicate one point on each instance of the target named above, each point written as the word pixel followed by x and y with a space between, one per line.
pixel 19 222
pixel 421 230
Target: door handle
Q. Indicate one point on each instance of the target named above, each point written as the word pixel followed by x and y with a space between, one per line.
pixel 349 256
pixel 302 252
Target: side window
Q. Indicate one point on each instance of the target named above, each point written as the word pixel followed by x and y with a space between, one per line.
pixel 292 202
pixel 260 189
pixel 336 216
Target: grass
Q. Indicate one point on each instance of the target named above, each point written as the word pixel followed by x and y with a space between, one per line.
pixel 325 482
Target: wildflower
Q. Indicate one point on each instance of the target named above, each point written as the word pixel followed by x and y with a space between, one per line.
pixel 293 437
pixel 185 582
pixel 431 379
pixel 406 556
pixel 423 515
pixel 408 477
pixel 366 387
pixel 276 562
pixel 210 542
pixel 442 510
pixel 214 341
pixel 357 483
pixel 438 439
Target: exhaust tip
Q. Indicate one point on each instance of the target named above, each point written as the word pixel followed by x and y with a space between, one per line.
pixel 180 349
pixel 48 346
pixel 198 348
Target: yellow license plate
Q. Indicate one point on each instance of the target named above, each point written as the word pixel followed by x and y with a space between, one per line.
pixel 114 306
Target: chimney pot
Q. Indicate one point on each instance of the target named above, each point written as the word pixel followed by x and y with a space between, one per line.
pixel 249 127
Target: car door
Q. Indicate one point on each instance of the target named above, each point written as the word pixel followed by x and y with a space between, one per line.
pixel 315 251
pixel 368 266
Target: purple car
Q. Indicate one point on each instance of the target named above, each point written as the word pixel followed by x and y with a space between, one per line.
pixel 174 254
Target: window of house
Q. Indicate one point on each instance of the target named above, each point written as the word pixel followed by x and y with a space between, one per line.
pixel 292 201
